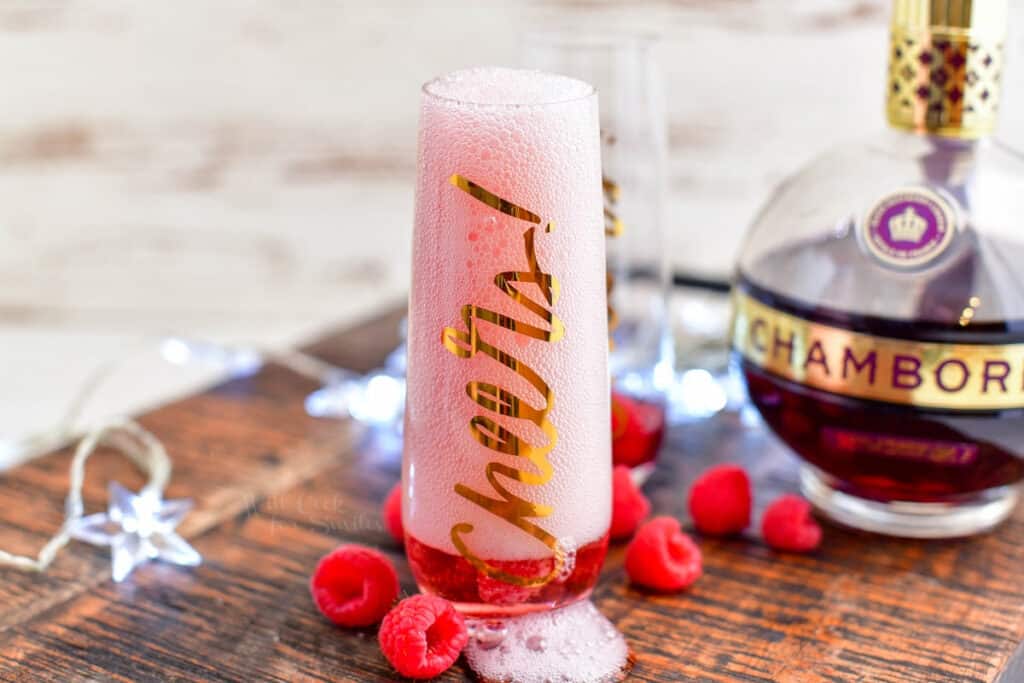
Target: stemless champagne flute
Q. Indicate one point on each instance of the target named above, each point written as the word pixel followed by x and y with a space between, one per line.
pixel 507 460
pixel 634 153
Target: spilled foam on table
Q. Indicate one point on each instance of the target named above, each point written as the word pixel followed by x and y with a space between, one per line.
pixel 574 644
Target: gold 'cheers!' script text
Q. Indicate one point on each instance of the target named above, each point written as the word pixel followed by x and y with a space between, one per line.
pixel 466 343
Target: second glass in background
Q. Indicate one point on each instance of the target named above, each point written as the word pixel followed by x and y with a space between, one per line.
pixel 633 158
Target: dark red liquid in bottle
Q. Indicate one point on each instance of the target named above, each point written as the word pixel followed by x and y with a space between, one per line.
pixel 886 451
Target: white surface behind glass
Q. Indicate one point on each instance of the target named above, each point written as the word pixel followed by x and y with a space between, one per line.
pixel 243 170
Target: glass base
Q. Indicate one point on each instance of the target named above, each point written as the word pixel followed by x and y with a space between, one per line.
pixel 487 612
pixel 967 517
pixel 576 644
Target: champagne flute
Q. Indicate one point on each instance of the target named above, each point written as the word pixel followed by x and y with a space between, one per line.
pixel 507 455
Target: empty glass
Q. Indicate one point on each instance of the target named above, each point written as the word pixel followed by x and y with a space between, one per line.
pixel 633 158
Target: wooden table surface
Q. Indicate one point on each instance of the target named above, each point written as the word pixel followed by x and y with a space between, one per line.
pixel 276 490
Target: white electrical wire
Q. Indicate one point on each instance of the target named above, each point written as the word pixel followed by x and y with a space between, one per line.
pixel 144 449
pixel 126 436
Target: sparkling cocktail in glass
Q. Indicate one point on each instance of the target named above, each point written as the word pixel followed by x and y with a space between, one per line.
pixel 507 460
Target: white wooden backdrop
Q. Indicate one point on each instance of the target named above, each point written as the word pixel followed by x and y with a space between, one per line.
pixel 242 169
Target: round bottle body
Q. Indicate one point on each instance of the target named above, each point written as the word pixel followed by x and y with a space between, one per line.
pixel 880 329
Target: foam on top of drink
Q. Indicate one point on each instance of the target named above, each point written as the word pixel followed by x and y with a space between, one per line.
pixel 500 86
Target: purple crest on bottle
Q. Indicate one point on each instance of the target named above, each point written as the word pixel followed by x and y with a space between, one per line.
pixel 909 228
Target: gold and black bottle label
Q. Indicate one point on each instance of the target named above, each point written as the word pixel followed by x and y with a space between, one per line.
pixel 937 375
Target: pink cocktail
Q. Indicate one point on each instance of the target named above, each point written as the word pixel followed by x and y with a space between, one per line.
pixel 507 464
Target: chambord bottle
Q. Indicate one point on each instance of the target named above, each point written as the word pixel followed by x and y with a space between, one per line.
pixel 879 302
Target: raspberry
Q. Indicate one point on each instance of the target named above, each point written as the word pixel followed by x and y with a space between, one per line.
pixel 720 500
pixel 788 525
pixel 637 430
pixel 393 513
pixel 622 407
pixel 497 592
pixel 662 557
pixel 629 505
pixel 354 585
pixel 587 568
pixel 450 576
pixel 423 636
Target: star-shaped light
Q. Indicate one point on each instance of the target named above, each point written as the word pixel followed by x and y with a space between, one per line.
pixel 138 527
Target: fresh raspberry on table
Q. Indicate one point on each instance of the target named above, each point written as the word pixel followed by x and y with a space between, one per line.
pixel 788 525
pixel 720 500
pixel 392 513
pixel 629 505
pixel 354 586
pixel 423 636
pixel 637 430
pixel 662 557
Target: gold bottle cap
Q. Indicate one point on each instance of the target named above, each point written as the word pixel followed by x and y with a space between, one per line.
pixel 946 65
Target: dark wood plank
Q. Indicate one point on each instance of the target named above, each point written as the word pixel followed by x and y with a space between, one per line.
pixel 277 489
